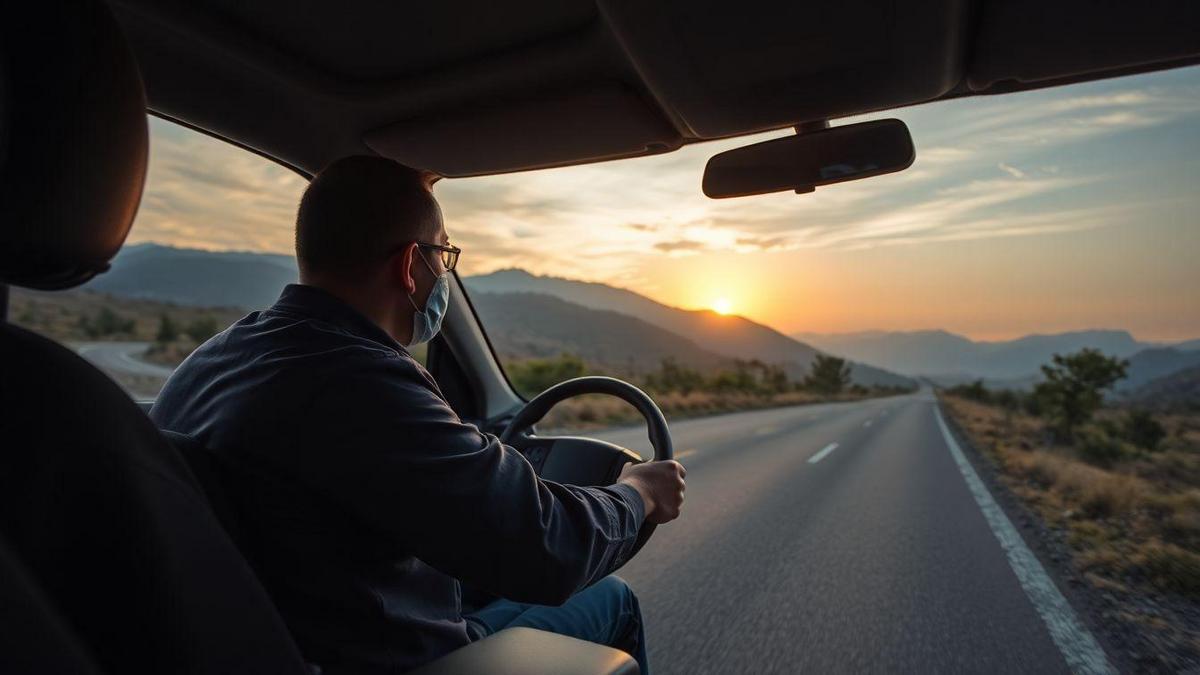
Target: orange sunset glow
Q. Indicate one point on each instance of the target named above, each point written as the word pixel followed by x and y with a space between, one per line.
pixel 1045 211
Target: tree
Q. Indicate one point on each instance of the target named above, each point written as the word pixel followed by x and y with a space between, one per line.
pixel 671 376
pixel 1074 388
pixel 167 330
pixel 829 375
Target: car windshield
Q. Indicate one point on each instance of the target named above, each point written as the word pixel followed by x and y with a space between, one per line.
pixel 1034 273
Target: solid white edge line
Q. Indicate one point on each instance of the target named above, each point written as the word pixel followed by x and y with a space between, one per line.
pixel 823 453
pixel 1078 646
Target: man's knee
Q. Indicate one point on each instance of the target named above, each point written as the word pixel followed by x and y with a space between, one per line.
pixel 626 614
pixel 615 587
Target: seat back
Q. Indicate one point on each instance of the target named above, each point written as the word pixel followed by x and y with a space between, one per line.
pixel 118 555
pixel 210 473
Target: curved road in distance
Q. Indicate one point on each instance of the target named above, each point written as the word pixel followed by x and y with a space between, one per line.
pixel 839 538
pixel 122 357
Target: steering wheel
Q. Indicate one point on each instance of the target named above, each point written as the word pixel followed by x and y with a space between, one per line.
pixel 574 460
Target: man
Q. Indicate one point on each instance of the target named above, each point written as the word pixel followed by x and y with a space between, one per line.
pixel 361 497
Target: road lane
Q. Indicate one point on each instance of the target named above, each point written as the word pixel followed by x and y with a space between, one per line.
pixel 876 558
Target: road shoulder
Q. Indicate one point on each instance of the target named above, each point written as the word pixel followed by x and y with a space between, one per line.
pixel 1049 545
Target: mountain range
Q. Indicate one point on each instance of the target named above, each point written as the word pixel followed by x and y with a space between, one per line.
pixel 194 277
pixel 729 336
pixel 531 315
pixel 946 357
pixel 525 315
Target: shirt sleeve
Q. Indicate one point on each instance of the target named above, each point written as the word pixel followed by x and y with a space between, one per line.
pixel 391 451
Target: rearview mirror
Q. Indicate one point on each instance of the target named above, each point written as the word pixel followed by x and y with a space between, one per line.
pixel 811 158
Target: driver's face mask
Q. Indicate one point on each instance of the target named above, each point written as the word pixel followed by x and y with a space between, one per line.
pixel 427 322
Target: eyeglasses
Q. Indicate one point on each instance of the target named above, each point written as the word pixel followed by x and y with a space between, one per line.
pixel 449 254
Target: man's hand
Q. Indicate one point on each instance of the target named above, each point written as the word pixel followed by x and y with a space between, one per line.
pixel 661 486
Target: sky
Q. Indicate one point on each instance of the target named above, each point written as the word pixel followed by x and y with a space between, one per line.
pixel 1063 209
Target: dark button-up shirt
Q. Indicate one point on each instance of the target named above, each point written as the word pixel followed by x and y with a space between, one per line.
pixel 361 497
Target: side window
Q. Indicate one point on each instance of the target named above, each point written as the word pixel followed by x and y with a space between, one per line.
pixel 212 241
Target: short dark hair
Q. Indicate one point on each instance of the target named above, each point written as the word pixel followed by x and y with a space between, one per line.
pixel 358 207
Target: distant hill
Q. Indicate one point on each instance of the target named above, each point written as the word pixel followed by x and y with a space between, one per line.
pixel 729 336
pixel 194 277
pixel 1190 345
pixel 911 353
pixel 254 280
pixel 532 324
pixel 1151 364
pixel 948 356
pixel 1178 391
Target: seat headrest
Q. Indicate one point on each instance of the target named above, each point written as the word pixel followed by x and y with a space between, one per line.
pixel 73 143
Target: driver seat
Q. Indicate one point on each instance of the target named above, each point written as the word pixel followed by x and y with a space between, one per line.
pixel 122 565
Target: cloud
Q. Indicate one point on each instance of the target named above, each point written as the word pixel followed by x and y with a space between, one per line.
pixel 761 243
pixel 204 193
pixel 642 227
pixel 1011 170
pixel 682 246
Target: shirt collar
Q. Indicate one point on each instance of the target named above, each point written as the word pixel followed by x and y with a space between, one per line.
pixel 317 303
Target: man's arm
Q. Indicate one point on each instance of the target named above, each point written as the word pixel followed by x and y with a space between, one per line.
pixel 387 447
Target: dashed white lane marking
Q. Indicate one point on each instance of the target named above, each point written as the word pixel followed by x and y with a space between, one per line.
pixel 823 453
pixel 866 424
pixel 1079 648
pixel 763 431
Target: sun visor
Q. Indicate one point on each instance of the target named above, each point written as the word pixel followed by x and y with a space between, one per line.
pixel 565 127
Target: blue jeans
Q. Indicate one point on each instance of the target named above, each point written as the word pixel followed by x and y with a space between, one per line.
pixel 606 612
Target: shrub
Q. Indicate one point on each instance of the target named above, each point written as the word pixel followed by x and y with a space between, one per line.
pixel 974 391
pixel 1141 429
pixel 533 376
pixel 671 376
pixel 1007 399
pixel 1099 447
pixel 106 322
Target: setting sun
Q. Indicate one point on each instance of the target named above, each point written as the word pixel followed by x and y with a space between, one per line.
pixel 722 306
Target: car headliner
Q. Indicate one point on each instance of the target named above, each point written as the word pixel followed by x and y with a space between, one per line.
pixel 479 87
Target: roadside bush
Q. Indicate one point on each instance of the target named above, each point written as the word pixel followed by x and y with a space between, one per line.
pixel 974 391
pixel 1141 429
pixel 1007 399
pixel 1099 447
pixel 533 376
pixel 106 322
pixel 671 376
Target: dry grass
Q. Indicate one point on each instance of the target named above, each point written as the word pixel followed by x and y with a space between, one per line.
pixel 1135 521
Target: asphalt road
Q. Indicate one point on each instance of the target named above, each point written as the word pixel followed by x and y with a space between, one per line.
pixel 121 357
pixel 872 556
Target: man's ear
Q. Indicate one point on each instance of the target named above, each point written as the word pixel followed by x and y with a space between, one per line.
pixel 402 268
